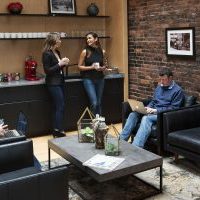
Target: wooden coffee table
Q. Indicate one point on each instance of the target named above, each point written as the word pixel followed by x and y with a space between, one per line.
pixel 136 159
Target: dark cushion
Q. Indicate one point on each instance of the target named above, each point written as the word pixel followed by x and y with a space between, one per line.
pixel 189 101
pixel 18 173
pixel 14 156
pixel 187 139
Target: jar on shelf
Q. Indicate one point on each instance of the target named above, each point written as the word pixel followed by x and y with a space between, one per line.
pixel 5 77
pixel 16 76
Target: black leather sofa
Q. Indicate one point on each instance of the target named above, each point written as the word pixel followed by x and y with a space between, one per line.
pixel 21 179
pixel 155 141
pixel 181 132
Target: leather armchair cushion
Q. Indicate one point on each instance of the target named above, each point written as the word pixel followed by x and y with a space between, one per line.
pixel 18 173
pixel 17 155
pixel 189 101
pixel 186 139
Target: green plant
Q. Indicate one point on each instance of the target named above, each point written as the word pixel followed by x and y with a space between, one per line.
pixel 88 131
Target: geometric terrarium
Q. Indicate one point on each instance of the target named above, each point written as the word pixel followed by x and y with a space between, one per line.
pixel 112 143
pixel 85 127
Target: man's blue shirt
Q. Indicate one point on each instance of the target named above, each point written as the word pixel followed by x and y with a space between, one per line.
pixel 167 98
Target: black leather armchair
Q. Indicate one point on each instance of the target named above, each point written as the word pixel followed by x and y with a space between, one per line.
pixel 181 132
pixel 155 141
pixel 21 179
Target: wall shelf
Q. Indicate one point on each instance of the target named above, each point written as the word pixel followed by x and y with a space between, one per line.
pixel 53 15
pixel 67 38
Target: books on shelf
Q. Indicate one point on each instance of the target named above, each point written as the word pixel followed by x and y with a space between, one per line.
pixel 104 162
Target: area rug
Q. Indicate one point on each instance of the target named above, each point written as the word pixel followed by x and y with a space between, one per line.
pixel 82 186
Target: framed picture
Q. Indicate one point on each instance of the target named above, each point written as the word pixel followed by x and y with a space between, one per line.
pixel 180 42
pixel 62 7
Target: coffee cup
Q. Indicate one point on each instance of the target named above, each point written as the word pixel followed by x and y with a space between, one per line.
pixel 96 65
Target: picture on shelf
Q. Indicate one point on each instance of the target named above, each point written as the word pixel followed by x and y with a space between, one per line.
pixel 180 42
pixel 66 7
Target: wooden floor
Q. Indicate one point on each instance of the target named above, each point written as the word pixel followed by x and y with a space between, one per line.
pixel 41 148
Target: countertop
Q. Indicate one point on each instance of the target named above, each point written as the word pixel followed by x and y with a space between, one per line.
pixel 70 78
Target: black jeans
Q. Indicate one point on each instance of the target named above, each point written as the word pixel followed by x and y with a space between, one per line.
pixel 58 97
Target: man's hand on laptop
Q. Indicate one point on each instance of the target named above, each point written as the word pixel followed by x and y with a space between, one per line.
pixel 151 110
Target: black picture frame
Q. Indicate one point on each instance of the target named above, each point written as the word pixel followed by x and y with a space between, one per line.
pixel 180 42
pixel 64 7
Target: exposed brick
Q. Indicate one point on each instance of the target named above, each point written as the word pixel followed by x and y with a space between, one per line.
pixel 147 21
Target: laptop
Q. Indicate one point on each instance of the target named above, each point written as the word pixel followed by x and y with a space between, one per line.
pixel 11 133
pixel 137 106
pixel 20 129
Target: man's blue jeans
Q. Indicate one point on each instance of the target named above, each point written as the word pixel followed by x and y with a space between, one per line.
pixel 94 89
pixel 144 130
pixel 58 97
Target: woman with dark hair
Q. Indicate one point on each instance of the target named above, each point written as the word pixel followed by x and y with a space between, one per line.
pixel 53 66
pixel 92 63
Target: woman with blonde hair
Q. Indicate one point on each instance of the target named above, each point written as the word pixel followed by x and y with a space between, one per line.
pixel 53 65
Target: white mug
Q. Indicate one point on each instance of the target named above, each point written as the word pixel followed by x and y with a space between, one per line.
pixel 19 35
pixel 7 35
pixel 30 35
pixel 13 35
pixel 96 64
pixel 1 35
pixel 24 35
pixel 39 34
pixel 35 35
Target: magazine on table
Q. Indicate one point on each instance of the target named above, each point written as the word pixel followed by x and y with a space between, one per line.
pixel 104 162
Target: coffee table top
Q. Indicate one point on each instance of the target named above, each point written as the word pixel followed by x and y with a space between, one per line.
pixel 136 159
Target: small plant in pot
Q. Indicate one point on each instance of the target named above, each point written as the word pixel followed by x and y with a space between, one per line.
pixel 15 7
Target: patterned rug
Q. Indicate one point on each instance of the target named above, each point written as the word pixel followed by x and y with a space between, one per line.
pixel 84 187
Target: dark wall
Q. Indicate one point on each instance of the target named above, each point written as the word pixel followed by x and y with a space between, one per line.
pixel 147 21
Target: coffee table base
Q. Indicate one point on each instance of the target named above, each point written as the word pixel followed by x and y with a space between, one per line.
pixel 125 188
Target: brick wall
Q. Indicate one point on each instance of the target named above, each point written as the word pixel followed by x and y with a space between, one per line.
pixel 147 21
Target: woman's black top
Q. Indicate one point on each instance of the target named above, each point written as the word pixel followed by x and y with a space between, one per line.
pixel 54 73
pixel 93 55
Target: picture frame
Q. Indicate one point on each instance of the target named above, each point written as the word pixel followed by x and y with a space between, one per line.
pixel 62 7
pixel 180 41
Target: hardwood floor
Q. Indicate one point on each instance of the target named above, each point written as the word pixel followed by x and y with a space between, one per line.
pixel 41 147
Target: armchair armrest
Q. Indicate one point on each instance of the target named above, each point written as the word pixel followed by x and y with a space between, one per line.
pixel 180 119
pixel 16 155
pixel 46 185
pixel 12 139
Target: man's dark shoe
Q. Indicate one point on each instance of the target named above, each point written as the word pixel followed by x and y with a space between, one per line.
pixel 58 134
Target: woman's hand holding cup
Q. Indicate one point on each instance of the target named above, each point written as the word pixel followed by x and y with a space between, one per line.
pixel 64 61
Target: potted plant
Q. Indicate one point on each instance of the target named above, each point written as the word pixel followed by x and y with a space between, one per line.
pixel 15 7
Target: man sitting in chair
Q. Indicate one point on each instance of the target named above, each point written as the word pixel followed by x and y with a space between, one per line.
pixel 167 96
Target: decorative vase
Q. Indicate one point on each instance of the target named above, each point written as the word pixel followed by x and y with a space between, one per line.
pixel 15 11
pixel 15 8
pixel 92 9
